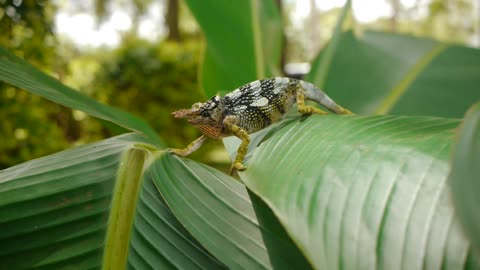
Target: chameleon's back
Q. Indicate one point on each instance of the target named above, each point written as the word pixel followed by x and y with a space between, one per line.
pixel 257 104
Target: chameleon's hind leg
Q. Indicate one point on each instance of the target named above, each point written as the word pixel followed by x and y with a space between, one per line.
pixel 306 90
pixel 192 147
pixel 229 123
pixel 306 109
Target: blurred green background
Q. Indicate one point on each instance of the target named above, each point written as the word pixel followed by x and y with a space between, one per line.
pixel 143 56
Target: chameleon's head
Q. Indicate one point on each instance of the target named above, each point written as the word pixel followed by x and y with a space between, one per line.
pixel 203 113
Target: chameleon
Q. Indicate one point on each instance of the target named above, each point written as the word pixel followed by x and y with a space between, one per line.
pixel 250 108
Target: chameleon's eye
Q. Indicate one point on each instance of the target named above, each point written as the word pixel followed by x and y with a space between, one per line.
pixel 197 106
pixel 205 113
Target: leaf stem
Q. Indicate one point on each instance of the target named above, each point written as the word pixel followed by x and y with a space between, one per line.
pixel 128 182
pixel 257 40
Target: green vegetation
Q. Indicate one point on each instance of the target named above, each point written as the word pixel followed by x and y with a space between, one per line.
pixel 392 187
pixel 168 76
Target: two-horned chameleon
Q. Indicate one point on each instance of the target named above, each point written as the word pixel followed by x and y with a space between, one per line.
pixel 250 108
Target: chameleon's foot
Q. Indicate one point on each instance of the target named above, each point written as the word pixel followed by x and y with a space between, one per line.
pixel 192 147
pixel 178 152
pixel 345 111
pixel 304 109
pixel 237 166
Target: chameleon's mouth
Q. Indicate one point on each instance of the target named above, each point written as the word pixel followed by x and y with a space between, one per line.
pixel 196 121
pixel 183 113
pixel 192 117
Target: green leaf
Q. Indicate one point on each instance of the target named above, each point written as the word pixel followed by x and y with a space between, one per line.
pixel 363 192
pixel 273 233
pixel 76 209
pixel 465 174
pixel 380 73
pixel 158 239
pixel 19 73
pixel 319 72
pixel 218 212
pixel 124 202
pixel 243 42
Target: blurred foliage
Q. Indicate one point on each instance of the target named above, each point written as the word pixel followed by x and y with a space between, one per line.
pixel 139 8
pixel 30 126
pixel 26 28
pixel 148 79
pixel 450 21
pixel 151 80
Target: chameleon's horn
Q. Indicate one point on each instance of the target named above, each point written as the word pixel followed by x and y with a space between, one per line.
pixel 181 113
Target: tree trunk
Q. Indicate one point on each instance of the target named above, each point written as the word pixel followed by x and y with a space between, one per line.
pixel 172 20
pixel 395 13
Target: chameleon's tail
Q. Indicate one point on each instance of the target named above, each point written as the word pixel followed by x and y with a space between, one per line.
pixel 314 93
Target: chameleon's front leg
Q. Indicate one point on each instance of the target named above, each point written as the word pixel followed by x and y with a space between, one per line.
pixel 192 147
pixel 229 124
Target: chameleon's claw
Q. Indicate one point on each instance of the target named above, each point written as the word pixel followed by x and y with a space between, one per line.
pixel 237 166
pixel 304 109
pixel 178 152
pixel 192 147
pixel 317 110
pixel 347 112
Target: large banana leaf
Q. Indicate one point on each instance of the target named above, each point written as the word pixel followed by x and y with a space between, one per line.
pixel 19 73
pixel 68 210
pixel 218 212
pixel 363 192
pixel 465 175
pixel 380 73
pixel 158 239
pixel 243 42
pixel 90 207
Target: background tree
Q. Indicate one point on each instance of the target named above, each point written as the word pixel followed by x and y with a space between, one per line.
pixel 171 19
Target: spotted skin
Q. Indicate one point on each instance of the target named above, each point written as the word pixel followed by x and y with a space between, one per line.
pixel 256 105
pixel 250 108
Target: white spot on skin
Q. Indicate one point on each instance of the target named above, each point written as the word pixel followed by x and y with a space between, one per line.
pixel 260 102
pixel 255 84
pixel 240 109
pixel 235 94
pixel 255 88
pixel 280 84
